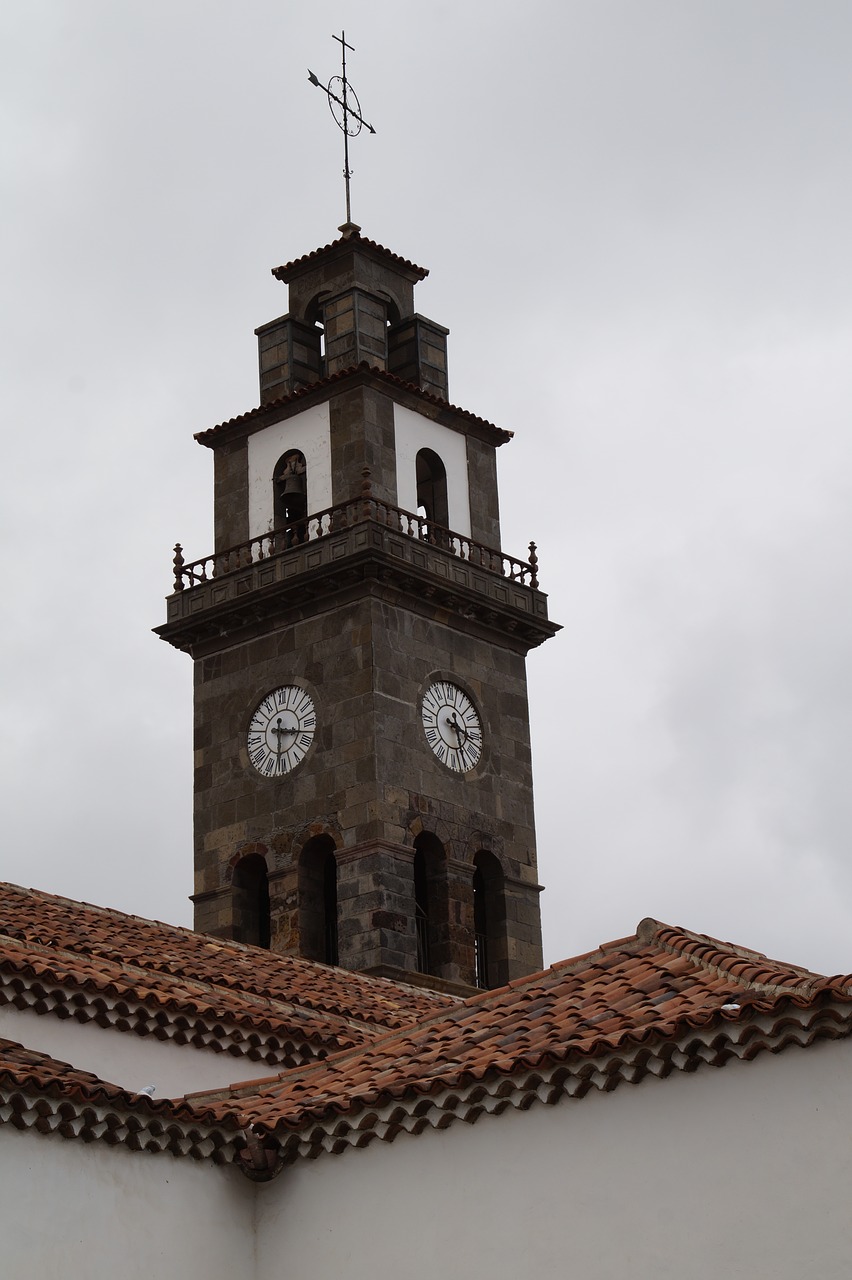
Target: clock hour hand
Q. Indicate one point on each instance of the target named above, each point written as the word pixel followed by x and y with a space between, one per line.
pixel 279 733
pixel 460 731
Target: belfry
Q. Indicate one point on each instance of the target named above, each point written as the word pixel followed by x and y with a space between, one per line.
pixel 363 783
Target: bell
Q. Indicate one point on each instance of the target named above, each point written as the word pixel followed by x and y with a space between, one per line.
pixel 292 485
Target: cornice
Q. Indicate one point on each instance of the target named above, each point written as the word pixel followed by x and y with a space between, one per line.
pixel 405 393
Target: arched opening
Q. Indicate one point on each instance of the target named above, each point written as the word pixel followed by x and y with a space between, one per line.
pixel 318 901
pixel 251 901
pixel 489 922
pixel 290 496
pixel 431 903
pixel 432 489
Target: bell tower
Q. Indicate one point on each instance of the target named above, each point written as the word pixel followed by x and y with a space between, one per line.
pixel 363 784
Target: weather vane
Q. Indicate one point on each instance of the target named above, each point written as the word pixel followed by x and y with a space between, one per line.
pixel 346 109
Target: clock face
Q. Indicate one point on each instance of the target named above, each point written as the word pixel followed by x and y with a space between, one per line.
pixel 281 730
pixel 452 726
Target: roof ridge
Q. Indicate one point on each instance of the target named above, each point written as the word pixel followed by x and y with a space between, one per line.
pixel 751 969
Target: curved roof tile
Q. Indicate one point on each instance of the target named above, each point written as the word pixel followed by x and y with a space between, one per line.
pixel 352 237
pixel 211 436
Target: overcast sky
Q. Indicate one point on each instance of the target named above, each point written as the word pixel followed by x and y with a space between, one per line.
pixel 637 218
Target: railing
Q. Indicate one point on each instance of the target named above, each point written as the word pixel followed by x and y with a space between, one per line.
pixel 324 524
pixel 480 952
pixel 421 925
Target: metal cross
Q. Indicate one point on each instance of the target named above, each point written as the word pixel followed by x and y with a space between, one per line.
pixel 346 109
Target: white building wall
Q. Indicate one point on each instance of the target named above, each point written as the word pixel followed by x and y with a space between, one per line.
pixel 125 1059
pixel 740 1172
pixel 308 431
pixel 412 433
pixel 92 1212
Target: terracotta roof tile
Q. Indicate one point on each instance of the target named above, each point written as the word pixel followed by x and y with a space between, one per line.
pixel 43 1093
pixel 344 242
pixel 57 954
pixel 212 435
pixel 662 1000
pixel 647 993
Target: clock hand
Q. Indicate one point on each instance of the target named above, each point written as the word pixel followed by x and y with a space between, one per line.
pixel 453 722
pixel 279 733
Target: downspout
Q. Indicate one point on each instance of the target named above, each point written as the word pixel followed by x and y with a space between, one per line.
pixel 259 1163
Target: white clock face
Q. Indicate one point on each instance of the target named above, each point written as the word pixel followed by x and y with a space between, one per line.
pixel 452 726
pixel 281 730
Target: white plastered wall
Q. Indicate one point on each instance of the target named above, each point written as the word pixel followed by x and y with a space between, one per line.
pixel 739 1172
pixel 308 431
pixel 94 1212
pixel 412 433
pixel 125 1059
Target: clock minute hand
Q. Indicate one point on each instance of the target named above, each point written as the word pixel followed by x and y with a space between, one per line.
pixel 279 733
pixel 461 732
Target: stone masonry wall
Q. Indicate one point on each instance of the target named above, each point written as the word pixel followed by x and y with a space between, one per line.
pixel 369 780
pixel 482 479
pixel 362 435
pixel 230 501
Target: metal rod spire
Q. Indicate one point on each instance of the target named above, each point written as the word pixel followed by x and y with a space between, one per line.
pixel 346 110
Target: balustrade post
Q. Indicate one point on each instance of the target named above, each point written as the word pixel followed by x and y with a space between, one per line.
pixel 366 494
pixel 533 566
pixel 178 563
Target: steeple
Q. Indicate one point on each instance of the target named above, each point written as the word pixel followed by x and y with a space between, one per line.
pixel 351 301
pixel 363 785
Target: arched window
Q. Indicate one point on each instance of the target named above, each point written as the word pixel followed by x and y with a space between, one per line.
pixel 251 901
pixel 290 495
pixel 489 922
pixel 432 488
pixel 318 901
pixel 431 903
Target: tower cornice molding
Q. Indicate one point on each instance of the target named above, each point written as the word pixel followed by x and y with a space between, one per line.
pixel 367 847
pixel 362 375
pixel 343 246
pixel 225 610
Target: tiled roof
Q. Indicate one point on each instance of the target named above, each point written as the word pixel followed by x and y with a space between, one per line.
pixel 353 237
pixel 661 1000
pixel 39 1092
pixel 61 956
pixel 211 437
